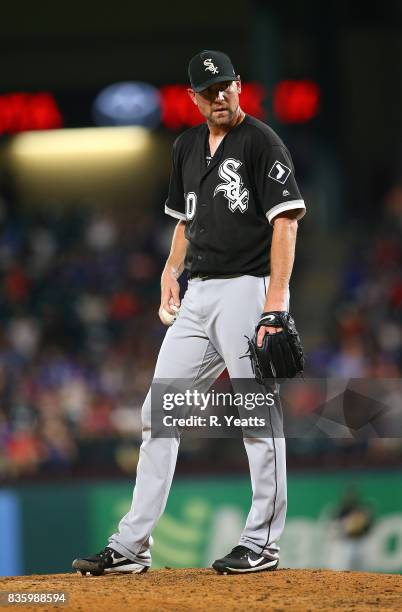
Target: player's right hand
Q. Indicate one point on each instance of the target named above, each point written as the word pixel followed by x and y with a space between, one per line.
pixel 170 292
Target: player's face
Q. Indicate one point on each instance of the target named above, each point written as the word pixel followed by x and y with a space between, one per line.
pixel 219 103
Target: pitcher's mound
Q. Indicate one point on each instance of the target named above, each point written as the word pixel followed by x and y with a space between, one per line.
pixel 203 589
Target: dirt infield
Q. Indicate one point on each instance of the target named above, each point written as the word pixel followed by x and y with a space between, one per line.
pixel 203 589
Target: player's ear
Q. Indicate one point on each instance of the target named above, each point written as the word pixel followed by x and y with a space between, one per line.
pixel 238 84
pixel 191 93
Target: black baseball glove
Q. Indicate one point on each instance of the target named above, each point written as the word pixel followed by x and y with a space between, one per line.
pixel 281 354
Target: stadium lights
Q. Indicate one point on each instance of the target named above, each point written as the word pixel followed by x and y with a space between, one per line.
pixel 81 142
pixel 144 105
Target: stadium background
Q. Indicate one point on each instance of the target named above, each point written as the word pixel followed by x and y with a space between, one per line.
pixel 83 239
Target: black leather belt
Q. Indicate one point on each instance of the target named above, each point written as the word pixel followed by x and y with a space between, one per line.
pixel 210 276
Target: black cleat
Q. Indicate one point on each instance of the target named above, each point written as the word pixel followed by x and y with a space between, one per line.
pixel 107 561
pixel 242 560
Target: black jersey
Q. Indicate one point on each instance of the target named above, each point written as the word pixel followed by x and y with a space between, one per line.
pixel 229 202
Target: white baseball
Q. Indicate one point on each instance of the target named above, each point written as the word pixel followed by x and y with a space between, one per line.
pixel 167 318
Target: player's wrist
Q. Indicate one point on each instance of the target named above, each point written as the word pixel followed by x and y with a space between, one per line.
pixel 277 305
pixel 172 270
pixel 277 298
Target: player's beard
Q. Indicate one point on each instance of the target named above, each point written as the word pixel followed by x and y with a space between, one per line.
pixel 222 119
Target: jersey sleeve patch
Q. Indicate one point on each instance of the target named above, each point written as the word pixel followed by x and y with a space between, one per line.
pixel 279 172
pixel 284 206
pixel 275 181
pixel 175 213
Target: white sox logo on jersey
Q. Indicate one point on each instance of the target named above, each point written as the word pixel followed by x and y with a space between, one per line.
pixel 232 188
pixel 210 66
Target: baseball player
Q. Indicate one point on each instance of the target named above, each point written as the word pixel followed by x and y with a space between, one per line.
pixel 233 191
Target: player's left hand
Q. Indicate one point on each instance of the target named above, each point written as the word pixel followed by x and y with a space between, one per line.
pixel 281 354
pixel 273 303
pixel 265 329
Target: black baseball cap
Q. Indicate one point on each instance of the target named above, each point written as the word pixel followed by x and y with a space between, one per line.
pixel 208 67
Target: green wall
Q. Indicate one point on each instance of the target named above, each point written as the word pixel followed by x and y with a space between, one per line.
pixel 204 518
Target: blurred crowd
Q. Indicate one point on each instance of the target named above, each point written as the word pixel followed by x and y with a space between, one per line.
pixel 365 333
pixel 79 332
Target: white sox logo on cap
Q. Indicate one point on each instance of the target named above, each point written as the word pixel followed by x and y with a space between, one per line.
pixel 210 66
